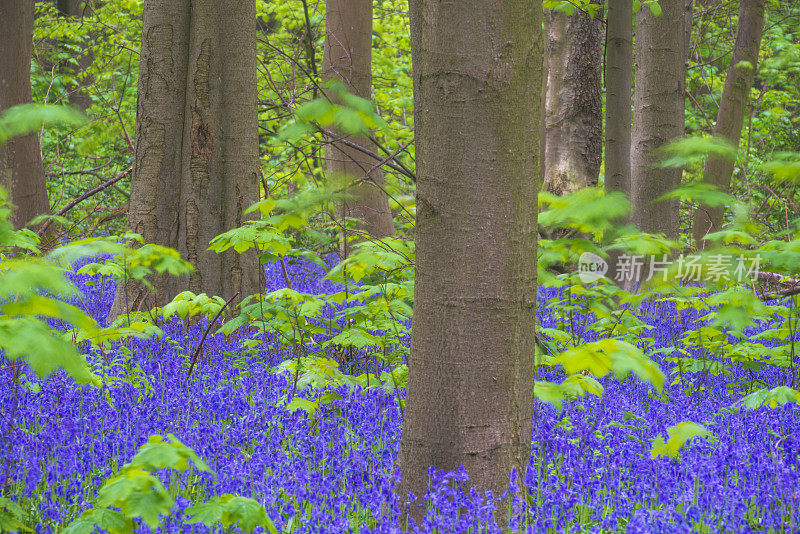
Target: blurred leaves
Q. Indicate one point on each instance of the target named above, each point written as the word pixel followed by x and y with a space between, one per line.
pixel 682 152
pixel 11 517
pixel 28 118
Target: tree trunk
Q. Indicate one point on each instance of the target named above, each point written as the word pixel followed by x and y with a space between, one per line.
pixel 688 12
pixel 347 57
pixel 196 162
pixel 477 95
pixel 657 115
pixel 573 109
pixel 77 94
pixel 619 80
pixel 21 171
pixel 70 8
pixel 732 107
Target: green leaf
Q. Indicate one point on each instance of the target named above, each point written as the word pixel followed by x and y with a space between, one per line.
pixel 320 110
pixel 350 121
pixel 232 510
pixel 355 337
pixel 299 403
pixel 103 518
pixel 32 275
pixel 571 388
pixel 43 349
pixel 611 355
pixel 771 398
pixel 702 192
pixel 682 152
pixel 587 210
pixel 579 385
pixel 293 131
pixel 159 453
pixel 11 517
pixel 549 392
pixel 138 494
pixel 785 167
pixel 47 307
pixel 26 118
pixel 678 436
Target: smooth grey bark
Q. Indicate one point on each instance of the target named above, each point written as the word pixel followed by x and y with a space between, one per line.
pixel 477 95
pixel 347 57
pixel 732 107
pixel 619 82
pixel 657 115
pixel 573 108
pixel 21 171
pixel 196 161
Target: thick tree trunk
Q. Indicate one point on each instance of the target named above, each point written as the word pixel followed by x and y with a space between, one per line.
pixel 619 81
pixel 732 107
pixel 573 109
pixel 21 171
pixel 347 57
pixel 196 162
pixel 477 94
pixel 657 115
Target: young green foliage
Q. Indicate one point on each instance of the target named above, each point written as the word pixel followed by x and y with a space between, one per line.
pixel 678 436
pixel 137 493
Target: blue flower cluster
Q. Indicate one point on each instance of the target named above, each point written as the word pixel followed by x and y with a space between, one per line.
pixel 590 470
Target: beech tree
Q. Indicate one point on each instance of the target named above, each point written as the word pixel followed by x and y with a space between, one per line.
pixel 658 114
pixel 196 161
pixel 21 171
pixel 347 57
pixel 732 106
pixel 618 80
pixel 477 94
pixel 573 109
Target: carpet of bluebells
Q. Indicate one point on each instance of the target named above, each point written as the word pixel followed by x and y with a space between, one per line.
pixel 591 468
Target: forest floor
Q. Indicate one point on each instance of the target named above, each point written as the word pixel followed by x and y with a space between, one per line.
pixel 591 468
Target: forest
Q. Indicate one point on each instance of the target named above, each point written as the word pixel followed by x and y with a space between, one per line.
pixel 389 266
